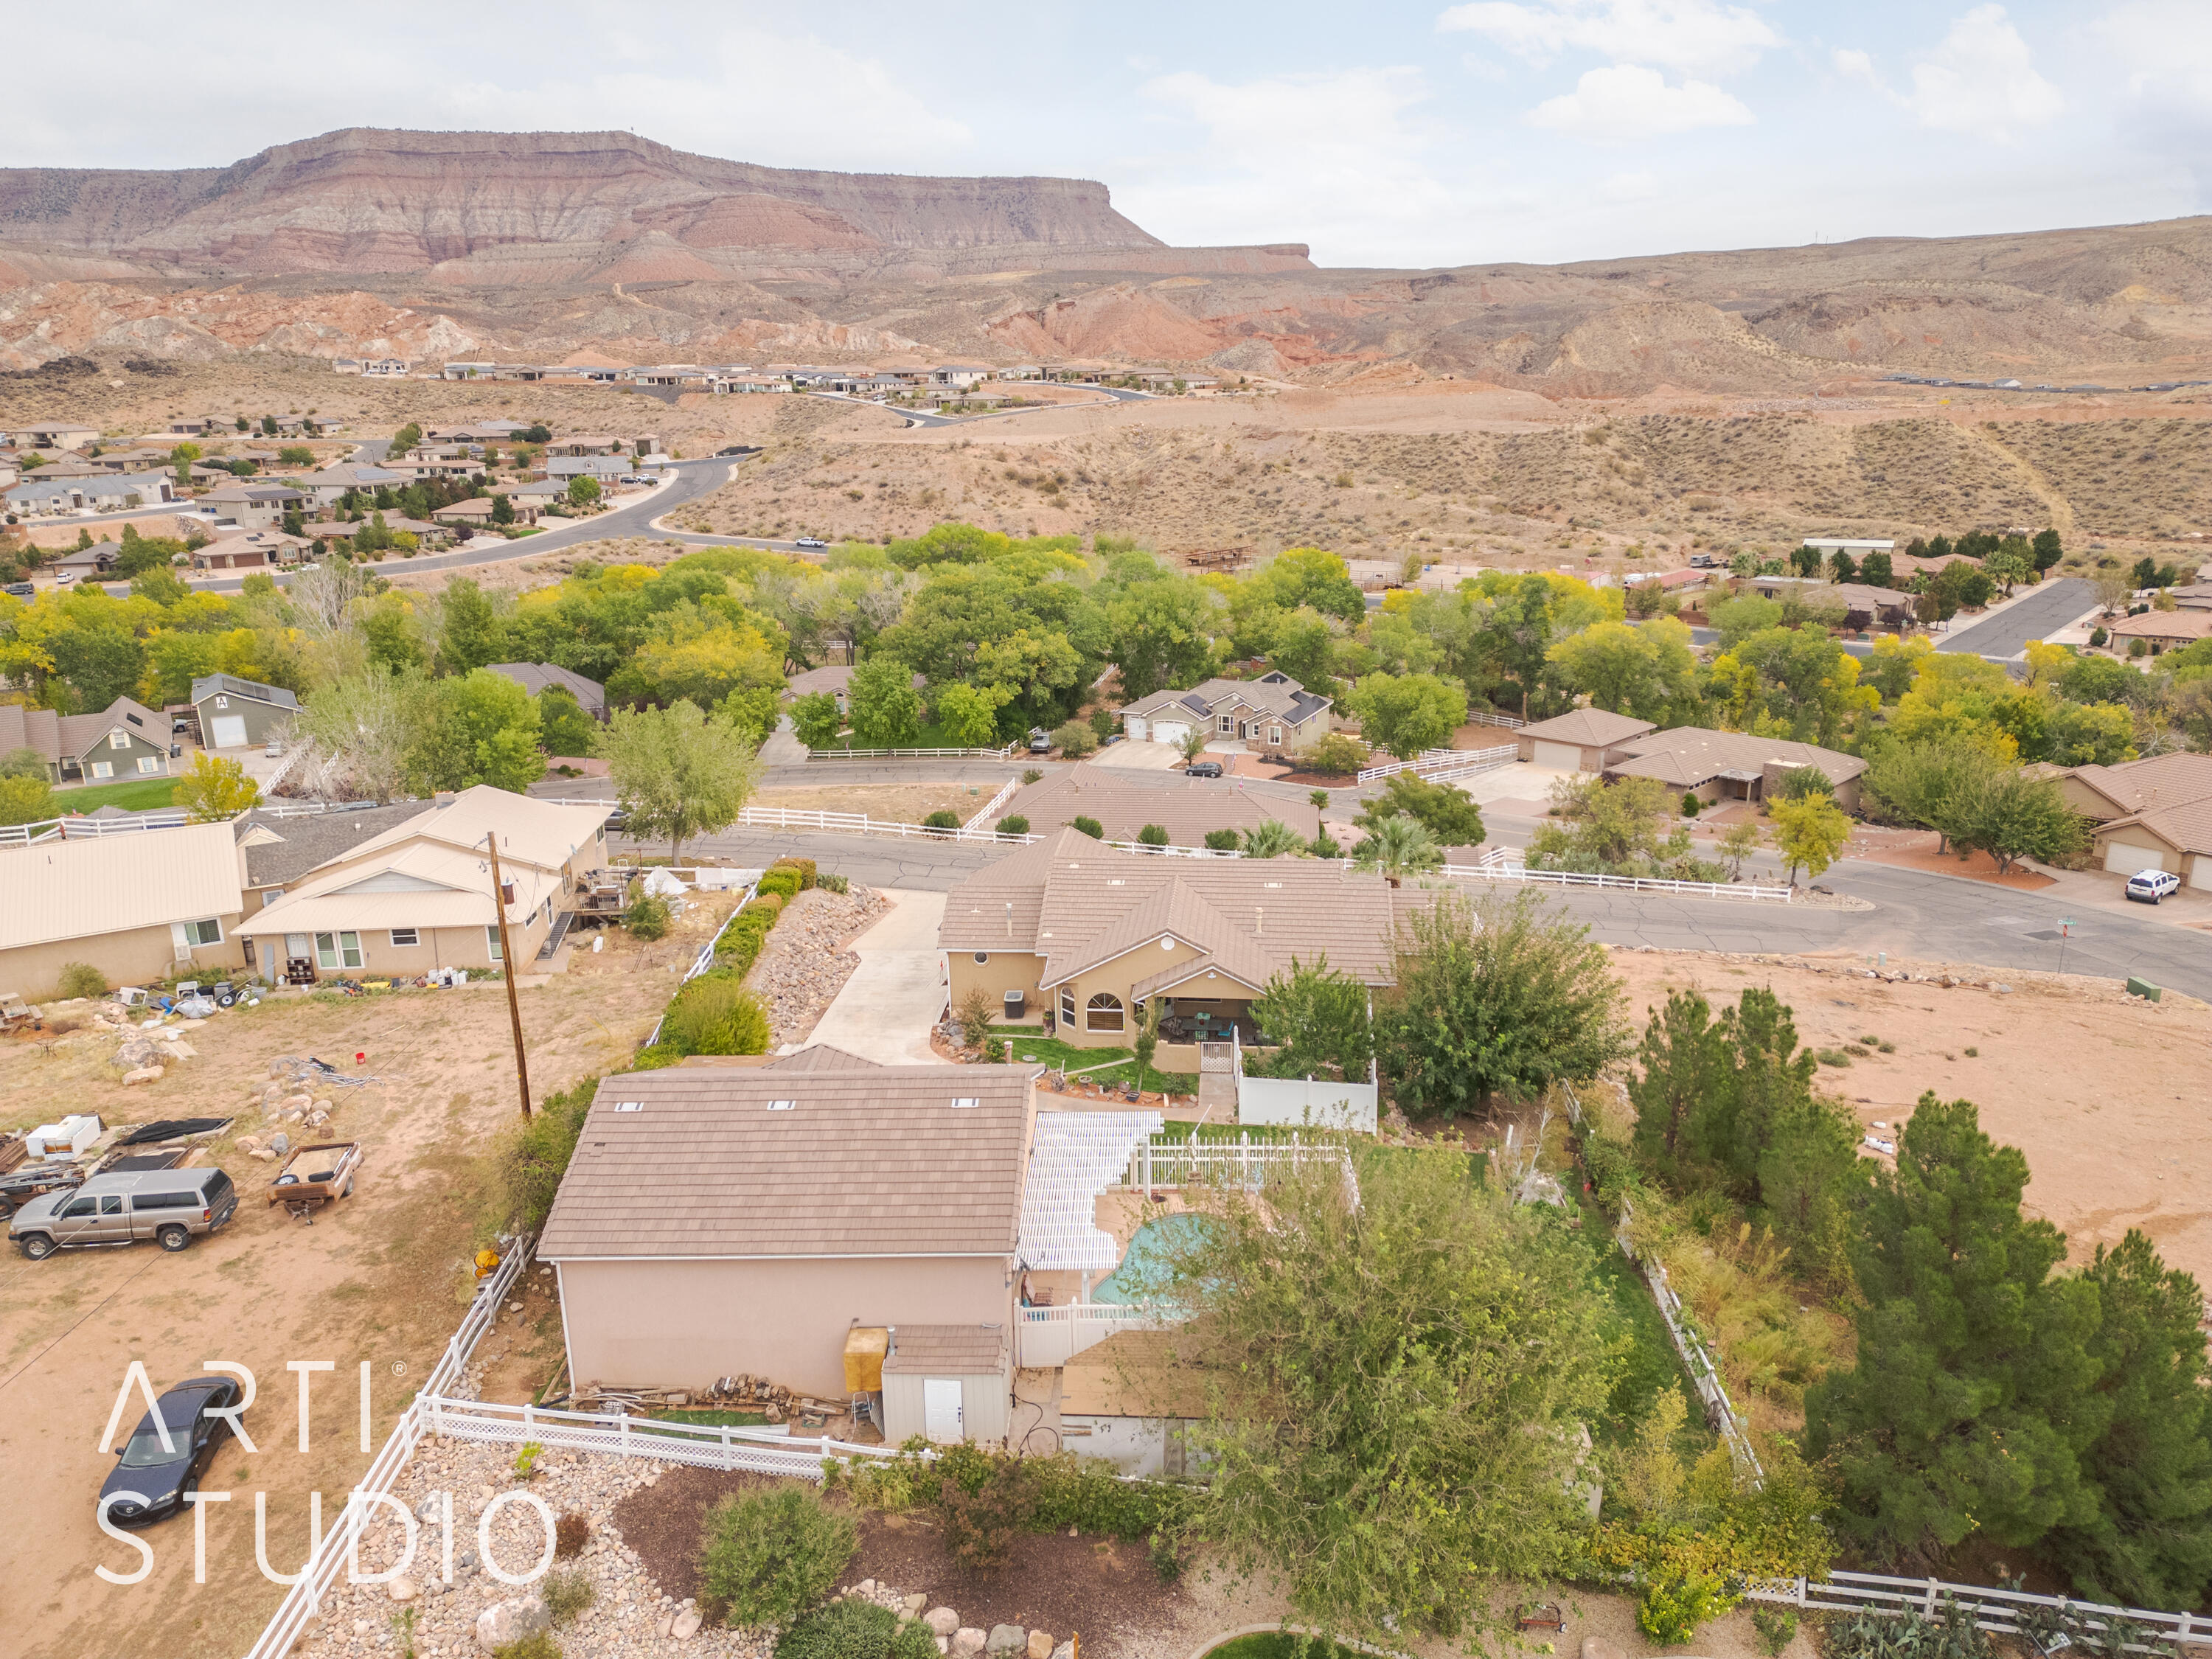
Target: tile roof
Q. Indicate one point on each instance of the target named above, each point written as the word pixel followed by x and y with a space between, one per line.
pixel 1078 904
pixel 946 1351
pixel 1687 756
pixel 65 890
pixel 2185 826
pixel 2156 781
pixel 1123 804
pixel 1597 728
pixel 2187 624
pixel 874 1161
pixel 1272 694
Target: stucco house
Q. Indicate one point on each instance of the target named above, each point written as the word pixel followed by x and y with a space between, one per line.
pixel 124 740
pixel 2162 630
pixel 1580 740
pixel 2149 814
pixel 1713 765
pixel 1272 712
pixel 137 906
pixel 1123 803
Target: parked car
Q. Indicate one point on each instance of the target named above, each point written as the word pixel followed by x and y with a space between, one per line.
pixel 1040 741
pixel 811 541
pixel 63 578
pixel 2150 887
pixel 1203 768
pixel 170 1206
pixel 150 1480
pixel 21 590
pixel 273 748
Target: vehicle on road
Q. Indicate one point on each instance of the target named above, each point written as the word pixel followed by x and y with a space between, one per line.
pixel 1040 741
pixel 21 590
pixel 150 1478
pixel 810 541
pixel 1203 768
pixel 2150 887
pixel 170 1206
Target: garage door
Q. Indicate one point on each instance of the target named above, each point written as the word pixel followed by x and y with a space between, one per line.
pixel 229 730
pixel 940 1409
pixel 1561 757
pixel 2122 860
pixel 1170 731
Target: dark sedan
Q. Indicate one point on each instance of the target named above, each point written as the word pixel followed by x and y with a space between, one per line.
pixel 150 1480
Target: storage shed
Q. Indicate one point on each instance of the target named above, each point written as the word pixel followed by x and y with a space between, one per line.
pixel 947 1383
pixel 236 713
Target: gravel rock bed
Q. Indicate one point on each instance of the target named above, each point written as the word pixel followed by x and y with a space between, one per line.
pixel 804 964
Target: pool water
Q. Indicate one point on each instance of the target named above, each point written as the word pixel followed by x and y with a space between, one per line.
pixel 1143 1274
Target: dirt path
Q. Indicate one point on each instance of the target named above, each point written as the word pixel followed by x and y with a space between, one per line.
pixel 383 1278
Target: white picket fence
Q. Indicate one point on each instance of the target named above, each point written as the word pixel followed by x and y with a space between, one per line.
pixel 1697 1359
pixel 1496 868
pixel 1391 768
pixel 1439 765
pixel 859 824
pixel 85 828
pixel 1997 1611
pixel 1007 753
pixel 991 806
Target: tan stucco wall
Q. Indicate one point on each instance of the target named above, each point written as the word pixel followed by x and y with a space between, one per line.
pixel 2087 801
pixel 685 1323
pixel 2157 854
pixel 1116 976
pixel 1007 970
pixel 441 947
pixel 130 957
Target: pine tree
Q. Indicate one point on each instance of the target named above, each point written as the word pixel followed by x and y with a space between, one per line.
pixel 2150 1544
pixel 1970 1404
pixel 1685 1060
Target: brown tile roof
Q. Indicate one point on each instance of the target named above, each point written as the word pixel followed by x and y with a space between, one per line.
pixel 1078 904
pixel 946 1351
pixel 2186 827
pixel 868 1162
pixel 1595 728
pixel 2165 625
pixel 2155 781
pixel 1690 755
pixel 1124 806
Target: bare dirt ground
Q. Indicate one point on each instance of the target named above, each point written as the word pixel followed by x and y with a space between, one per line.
pixel 894 803
pixel 2103 1091
pixel 382 1278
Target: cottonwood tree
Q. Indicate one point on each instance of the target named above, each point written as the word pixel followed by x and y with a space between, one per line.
pixel 1399 1386
pixel 882 705
pixel 816 720
pixel 2013 816
pixel 480 728
pixel 1406 714
pixel 678 772
pixel 214 788
pixel 361 730
pixel 1494 996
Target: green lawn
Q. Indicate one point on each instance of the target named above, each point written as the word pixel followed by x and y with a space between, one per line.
pixel 135 795
pixel 1029 1044
pixel 1280 1644
pixel 700 1418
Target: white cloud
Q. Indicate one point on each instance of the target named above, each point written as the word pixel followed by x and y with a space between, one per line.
pixel 2163 51
pixel 1981 79
pixel 1697 37
pixel 1853 64
pixel 1627 101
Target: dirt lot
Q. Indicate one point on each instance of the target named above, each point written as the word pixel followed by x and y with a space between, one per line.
pixel 2103 1092
pixel 382 1279
pixel 894 803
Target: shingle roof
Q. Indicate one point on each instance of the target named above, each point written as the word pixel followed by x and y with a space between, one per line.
pixel 282 850
pixel 1123 804
pixel 1272 694
pixel 870 1161
pixel 946 1351
pixel 230 685
pixel 82 733
pixel 1688 756
pixel 1078 904
pixel 1597 728
pixel 36 729
pixel 541 832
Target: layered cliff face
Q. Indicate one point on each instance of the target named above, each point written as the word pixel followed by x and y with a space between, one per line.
pixel 364 201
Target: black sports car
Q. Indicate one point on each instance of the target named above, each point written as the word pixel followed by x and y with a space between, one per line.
pixel 149 1480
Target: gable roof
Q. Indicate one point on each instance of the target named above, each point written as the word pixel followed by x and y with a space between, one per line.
pixel 418 884
pixel 282 850
pixel 1688 756
pixel 82 733
pixel 1595 728
pixel 535 676
pixel 65 890
pixel 1275 693
pixel 531 832
pixel 1078 904
pixel 2186 826
pixel 2156 781
pixel 230 685
pixel 871 1161
pixel 1124 803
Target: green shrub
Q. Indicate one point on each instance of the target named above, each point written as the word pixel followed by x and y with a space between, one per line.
pixel 1154 834
pixel 941 819
pixel 81 979
pixel 1031 775
pixel 646 916
pixel 852 1629
pixel 831 883
pixel 531 1157
pixel 770 1556
pixel 714 1014
pixel 567 1593
pixel 1336 755
pixel 1670 1610
pixel 1776 1627
pixel 769 904
pixel 808 876
pixel 1691 804
pixel 2097 638
pixel 659 1057
pixel 1013 825
pixel 1075 739
pixel 538 1644
pixel 1089 826
pixel 781 882
pixel 1102 722
pixel 980 1524
pixel 1221 841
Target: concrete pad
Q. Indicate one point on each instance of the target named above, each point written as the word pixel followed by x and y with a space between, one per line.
pixel 782 747
pixel 1139 757
pixel 1516 781
pixel 885 1011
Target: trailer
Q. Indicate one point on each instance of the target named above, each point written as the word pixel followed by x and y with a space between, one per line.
pixel 315 1176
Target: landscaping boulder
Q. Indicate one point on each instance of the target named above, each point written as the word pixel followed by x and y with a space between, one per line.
pixel 135 1052
pixel 264 1154
pixel 404 1589
pixel 295 1103
pixel 942 1621
pixel 144 1074
pixel 686 1625
pixel 967 1642
pixel 1040 1645
pixel 506 1622
pixel 914 1603
pixel 1007 1639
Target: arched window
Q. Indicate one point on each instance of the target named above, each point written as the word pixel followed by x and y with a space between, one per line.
pixel 1103 1013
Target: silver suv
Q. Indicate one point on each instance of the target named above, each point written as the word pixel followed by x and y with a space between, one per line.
pixel 167 1206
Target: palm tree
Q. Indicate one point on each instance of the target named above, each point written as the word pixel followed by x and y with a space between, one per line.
pixel 1397 847
pixel 1271 840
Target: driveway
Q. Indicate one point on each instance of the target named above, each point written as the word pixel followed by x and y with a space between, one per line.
pixel 886 1009
pixel 2037 616
pixel 1138 757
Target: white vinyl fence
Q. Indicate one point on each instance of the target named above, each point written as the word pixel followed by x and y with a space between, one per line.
pixel 1997 1611
pixel 705 1446
pixel 991 806
pixel 1052 1336
pixel 1006 753
pixel 1496 868
pixel 86 828
pixel 1441 765
pixel 705 959
pixel 1305 1104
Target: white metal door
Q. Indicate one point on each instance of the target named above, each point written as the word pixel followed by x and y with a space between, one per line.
pixel 1564 756
pixel 2122 860
pixel 1169 732
pixel 940 1408
pixel 229 730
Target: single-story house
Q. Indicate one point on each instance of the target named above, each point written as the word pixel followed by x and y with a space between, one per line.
pixel 590 443
pixel 280 852
pixel 45 493
pixel 540 492
pixel 124 740
pixel 134 906
pixel 1712 765
pixel 1863 606
pixel 236 713
pixel 135 459
pixel 836 679
pixel 2192 596
pixel 605 468
pixel 1580 740
pixel 333 481
pixel 2165 630
pixel 254 507
pixel 2149 814
pixel 418 895
pixel 1123 803
pixel 1273 712
pixel 251 549
pixel 477 513
pixel 97 559
pixel 535 676
pixel 719 1220
pixel 1085 936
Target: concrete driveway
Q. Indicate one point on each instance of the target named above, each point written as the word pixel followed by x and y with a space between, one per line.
pixel 886 1009
pixel 1138 757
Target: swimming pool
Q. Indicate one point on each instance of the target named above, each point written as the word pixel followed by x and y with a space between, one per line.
pixel 1143 1274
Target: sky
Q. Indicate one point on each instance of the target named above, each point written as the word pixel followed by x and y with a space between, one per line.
pixel 1381 134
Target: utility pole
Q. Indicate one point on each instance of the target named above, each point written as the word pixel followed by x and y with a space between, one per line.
pixel 506 963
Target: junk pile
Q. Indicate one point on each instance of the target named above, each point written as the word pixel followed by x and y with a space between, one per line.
pixel 299 1092
pixel 152 1023
pixel 746 1394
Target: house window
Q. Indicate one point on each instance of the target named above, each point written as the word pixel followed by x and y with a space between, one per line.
pixel 118 739
pixel 982 957
pixel 200 932
pixel 1224 723
pixel 103 768
pixel 1067 1006
pixel 491 943
pixel 1104 1013
pixel 149 763
pixel 404 937
pixel 1275 735
pixel 338 950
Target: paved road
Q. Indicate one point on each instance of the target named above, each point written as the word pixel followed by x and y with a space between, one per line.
pixel 2043 612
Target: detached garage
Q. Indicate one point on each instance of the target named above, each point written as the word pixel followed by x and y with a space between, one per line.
pixel 1580 740
pixel 237 713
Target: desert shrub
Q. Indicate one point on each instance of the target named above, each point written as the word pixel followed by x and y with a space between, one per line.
pixel 980 1524
pixel 659 1056
pixel 538 1644
pixel 1154 834
pixel 780 881
pixel 976 1013
pixel 1075 739
pixel 570 1533
pixel 852 1629
pixel 714 1014
pixel 1089 826
pixel 1031 775
pixel 530 1158
pixel 567 1593
pixel 1221 841
pixel 768 1558
pixel 81 979
pixel 646 916
pixel 941 819
pixel 2097 638
pixel 1335 756
pixel 809 876
pixel 832 883
pixel 1013 825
